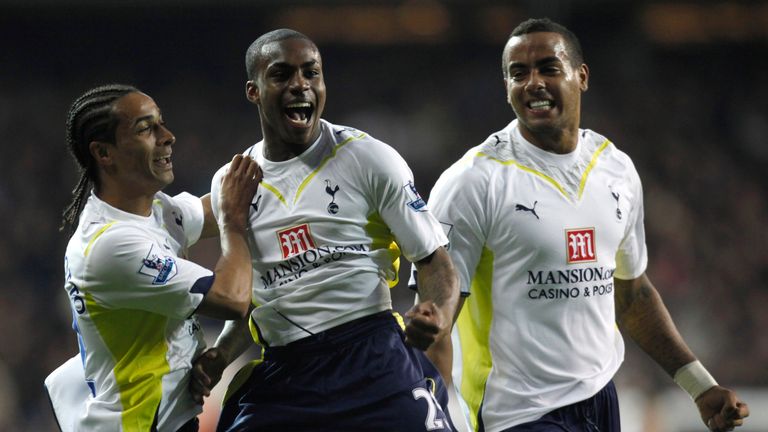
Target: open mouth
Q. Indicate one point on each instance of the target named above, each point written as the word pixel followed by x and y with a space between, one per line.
pixel 299 113
pixel 541 105
pixel 164 161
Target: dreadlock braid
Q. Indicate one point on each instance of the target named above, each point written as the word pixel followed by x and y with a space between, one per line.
pixel 90 118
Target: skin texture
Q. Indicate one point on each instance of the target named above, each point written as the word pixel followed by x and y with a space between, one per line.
pixel 538 67
pixel 641 314
pixel 290 71
pixel 130 170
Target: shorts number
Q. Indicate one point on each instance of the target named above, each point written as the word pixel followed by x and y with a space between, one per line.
pixel 432 422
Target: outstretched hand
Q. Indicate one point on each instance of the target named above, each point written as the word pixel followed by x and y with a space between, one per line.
pixel 425 325
pixel 206 373
pixel 721 409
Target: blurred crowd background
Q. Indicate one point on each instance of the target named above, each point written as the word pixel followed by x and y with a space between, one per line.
pixel 679 86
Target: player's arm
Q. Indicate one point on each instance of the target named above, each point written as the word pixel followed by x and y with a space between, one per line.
pixel 210 226
pixel 230 293
pixel 641 313
pixel 431 319
pixel 207 369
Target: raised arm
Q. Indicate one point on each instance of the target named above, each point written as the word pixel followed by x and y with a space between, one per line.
pixel 210 226
pixel 230 294
pixel 642 315
pixel 431 319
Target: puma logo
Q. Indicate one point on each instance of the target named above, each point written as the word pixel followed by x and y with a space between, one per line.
pixel 520 207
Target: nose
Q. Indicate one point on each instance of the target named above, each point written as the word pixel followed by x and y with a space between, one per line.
pixel 535 82
pixel 299 83
pixel 166 136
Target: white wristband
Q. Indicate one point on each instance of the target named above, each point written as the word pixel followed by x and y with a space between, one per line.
pixel 694 379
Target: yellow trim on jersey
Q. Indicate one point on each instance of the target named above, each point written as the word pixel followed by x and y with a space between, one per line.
pixel 97 235
pixel 591 165
pixel 549 179
pixel 241 377
pixel 382 238
pixel 136 340
pixel 474 326
pixel 545 177
pixel 399 319
pixel 254 331
pixel 322 164
pixel 274 190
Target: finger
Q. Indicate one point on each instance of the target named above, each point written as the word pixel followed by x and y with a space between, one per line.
pixel 252 170
pixel 236 161
pixel 743 410
pixel 421 324
pixel 418 342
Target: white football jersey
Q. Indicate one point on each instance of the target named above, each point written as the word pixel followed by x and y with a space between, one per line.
pixel 133 295
pixel 327 229
pixel 537 239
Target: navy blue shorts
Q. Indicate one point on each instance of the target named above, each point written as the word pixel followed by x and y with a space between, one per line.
pixel 359 376
pixel 600 413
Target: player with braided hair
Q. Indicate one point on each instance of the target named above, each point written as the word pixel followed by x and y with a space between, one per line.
pixel 133 292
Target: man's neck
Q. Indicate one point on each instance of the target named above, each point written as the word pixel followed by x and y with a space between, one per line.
pixel 557 141
pixel 279 152
pixel 135 203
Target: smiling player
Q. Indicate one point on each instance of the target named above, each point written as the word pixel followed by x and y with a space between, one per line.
pixel 546 233
pixel 330 219
pixel 132 290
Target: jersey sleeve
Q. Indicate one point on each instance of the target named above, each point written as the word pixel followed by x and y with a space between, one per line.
pixel 130 270
pixel 192 210
pixel 397 200
pixel 458 201
pixel 216 191
pixel 632 256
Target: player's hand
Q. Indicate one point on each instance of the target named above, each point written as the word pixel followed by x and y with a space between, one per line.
pixel 238 185
pixel 425 325
pixel 721 409
pixel 206 373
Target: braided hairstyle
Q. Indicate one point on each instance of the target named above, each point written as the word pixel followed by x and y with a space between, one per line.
pixel 90 118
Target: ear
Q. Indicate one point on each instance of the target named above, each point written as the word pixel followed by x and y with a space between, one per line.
pixel 101 153
pixel 584 77
pixel 252 92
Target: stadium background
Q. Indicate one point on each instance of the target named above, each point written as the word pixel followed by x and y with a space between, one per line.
pixel 680 86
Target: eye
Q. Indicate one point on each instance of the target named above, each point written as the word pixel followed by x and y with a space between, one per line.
pixel 279 75
pixel 517 75
pixel 143 128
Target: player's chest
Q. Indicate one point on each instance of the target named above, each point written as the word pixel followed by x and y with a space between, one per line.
pixel 535 215
pixel 289 218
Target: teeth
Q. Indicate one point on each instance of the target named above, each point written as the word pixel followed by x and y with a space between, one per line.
pixel 299 105
pixel 540 104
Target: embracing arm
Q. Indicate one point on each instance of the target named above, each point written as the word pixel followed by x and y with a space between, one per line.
pixel 210 226
pixel 207 369
pixel 431 319
pixel 641 313
pixel 230 294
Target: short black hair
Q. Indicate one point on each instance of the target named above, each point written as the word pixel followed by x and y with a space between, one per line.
pixel 254 54
pixel 538 25
pixel 90 118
